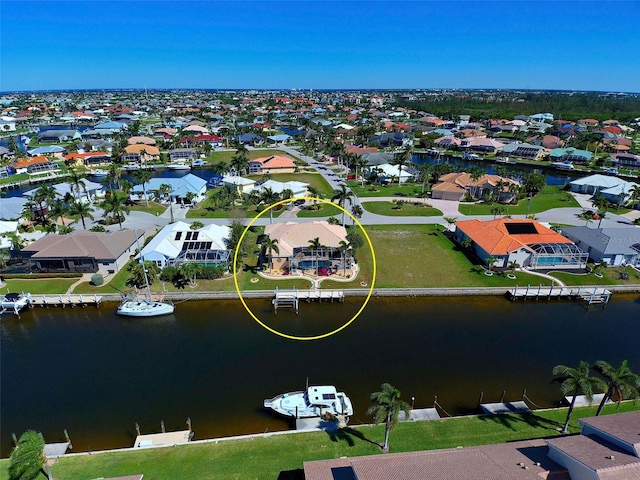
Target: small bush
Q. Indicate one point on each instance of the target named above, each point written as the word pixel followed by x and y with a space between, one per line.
pixel 211 273
pixel 169 274
pixel 97 279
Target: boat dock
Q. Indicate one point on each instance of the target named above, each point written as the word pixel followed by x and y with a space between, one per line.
pixel 65 300
pixel 163 439
pixel 588 294
pixel 291 298
pixel 581 400
pixel 420 414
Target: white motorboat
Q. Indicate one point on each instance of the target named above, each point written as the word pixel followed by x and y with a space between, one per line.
pixel 144 307
pixel 199 163
pixel 99 172
pixel 563 165
pixel 132 166
pixel 178 166
pixel 15 302
pixel 313 402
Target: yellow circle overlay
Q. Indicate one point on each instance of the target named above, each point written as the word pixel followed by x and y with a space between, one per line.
pixel 294 337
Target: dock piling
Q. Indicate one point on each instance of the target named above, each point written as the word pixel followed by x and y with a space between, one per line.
pixel 162 426
pixel 66 435
pixel 481 397
pixel 138 428
pixel 189 423
pixel 504 392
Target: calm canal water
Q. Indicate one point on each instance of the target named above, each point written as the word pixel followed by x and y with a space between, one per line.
pixel 96 374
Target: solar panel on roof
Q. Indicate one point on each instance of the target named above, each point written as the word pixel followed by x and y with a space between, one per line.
pixel 520 228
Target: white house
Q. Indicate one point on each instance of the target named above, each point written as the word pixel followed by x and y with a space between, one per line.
pixel 180 188
pixel 299 189
pixel 393 172
pixel 240 185
pixel 176 243
pixel 616 246
pixel 612 188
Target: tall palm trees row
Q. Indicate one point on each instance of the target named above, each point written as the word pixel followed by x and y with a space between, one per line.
pixel 619 383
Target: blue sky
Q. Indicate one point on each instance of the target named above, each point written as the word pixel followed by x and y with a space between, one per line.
pixel 572 45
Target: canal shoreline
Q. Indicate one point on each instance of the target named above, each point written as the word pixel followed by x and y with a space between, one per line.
pixel 363 292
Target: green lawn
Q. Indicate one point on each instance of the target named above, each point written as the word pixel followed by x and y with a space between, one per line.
pixel 324 210
pixel 314 180
pixel 610 276
pixel 440 264
pixel 44 286
pixel 282 455
pixel 113 284
pixel 393 190
pixel 550 197
pixel 414 209
pixel 154 208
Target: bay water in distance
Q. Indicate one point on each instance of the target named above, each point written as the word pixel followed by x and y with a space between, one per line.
pixel 96 374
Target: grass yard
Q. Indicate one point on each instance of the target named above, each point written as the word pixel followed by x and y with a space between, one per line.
pixel 227 155
pixel 154 208
pixel 44 286
pixel 113 284
pixel 610 276
pixel 414 209
pixel 422 256
pixel 550 197
pixel 324 210
pixel 282 456
pixel 314 180
pixel 392 190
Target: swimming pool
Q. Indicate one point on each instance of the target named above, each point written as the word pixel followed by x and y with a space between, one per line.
pixel 304 264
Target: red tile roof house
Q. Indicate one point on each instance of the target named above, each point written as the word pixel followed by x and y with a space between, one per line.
pixel 454 186
pixel 526 242
pixel 272 164
pixel 83 251
pixel 36 164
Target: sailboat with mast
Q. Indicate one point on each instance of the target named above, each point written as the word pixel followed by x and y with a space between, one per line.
pixel 144 306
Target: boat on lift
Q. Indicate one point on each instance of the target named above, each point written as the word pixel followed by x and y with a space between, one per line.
pixel 15 302
pixel 315 401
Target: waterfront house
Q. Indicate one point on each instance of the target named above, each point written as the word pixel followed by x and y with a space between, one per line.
pixel 141 139
pixel 239 185
pixel 524 150
pixel 248 139
pixel 526 242
pixel 82 251
pixel 189 185
pixel 88 159
pixel 615 246
pixel 297 189
pixel 177 243
pixel 606 449
pixel 454 186
pixel 33 165
pixel 272 164
pixel 296 253
pixel 54 151
pixel 59 136
pixel 11 208
pixel 183 155
pixel 614 189
pixel 390 173
pixel 626 160
pixel 481 144
pixel 88 192
pixel 140 153
pixel 570 155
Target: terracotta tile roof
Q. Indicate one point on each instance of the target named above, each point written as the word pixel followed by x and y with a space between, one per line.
pixel 275 161
pixel 82 243
pixel 464 180
pixel 25 162
pixel 597 454
pixel 150 149
pixel 517 460
pixel 625 426
pixel 73 156
pixel 492 236
pixel 292 234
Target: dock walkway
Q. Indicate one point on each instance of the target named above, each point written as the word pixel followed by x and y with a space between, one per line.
pixel 506 407
pixel 65 300
pixel 420 414
pixel 163 439
pixel 588 294
pixel 291 298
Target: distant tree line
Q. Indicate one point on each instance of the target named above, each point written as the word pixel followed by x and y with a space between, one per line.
pixel 563 105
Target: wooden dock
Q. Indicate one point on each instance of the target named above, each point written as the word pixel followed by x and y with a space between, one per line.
pixel 581 400
pixel 420 414
pixel 65 300
pixel 163 439
pixel 505 407
pixel 291 298
pixel 588 294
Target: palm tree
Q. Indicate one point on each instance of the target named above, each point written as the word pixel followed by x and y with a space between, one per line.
pixel 77 183
pixel 450 221
pixel 401 159
pixel 386 408
pixel 342 195
pixel 315 246
pixel 115 206
pixel 221 167
pixel 190 270
pixel 43 196
pixel 114 175
pixel 81 209
pixel 126 186
pixel 344 248
pixel 621 382
pixel 166 189
pixel 270 245
pixel 57 210
pixel 142 177
pixel 196 225
pixel 491 261
pixel 634 194
pixel 27 459
pixel 314 192
pixel 362 163
pixel 269 197
pixel 575 380
pixel 356 211
pixel 190 197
